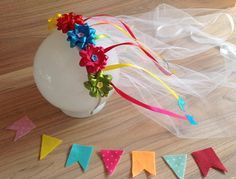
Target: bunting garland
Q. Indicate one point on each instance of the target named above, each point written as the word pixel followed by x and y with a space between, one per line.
pixel 141 160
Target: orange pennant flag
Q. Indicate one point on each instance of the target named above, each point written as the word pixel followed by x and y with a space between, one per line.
pixel 143 160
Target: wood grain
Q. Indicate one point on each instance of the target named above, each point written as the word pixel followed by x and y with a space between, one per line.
pixel 119 125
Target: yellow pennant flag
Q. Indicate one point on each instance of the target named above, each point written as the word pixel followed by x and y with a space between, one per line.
pixel 48 145
pixel 143 160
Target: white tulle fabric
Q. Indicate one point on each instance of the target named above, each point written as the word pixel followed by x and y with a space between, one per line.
pixel 198 45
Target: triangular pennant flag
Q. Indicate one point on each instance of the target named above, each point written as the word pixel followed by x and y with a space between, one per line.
pixel 177 163
pixel 143 160
pixel 22 127
pixel 48 144
pixel 207 159
pixel 110 159
pixel 81 154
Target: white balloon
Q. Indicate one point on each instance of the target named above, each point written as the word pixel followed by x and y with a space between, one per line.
pixel 60 79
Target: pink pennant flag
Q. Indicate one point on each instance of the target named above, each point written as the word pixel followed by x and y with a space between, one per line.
pixel 207 159
pixel 110 159
pixel 22 127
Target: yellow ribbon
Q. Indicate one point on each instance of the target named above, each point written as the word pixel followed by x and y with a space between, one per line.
pixel 116 66
pixel 52 22
pixel 101 36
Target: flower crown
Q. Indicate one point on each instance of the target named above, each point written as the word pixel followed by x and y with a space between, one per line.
pixel 94 58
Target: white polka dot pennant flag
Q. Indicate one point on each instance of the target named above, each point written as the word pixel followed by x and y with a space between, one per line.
pixel 177 163
pixel 110 159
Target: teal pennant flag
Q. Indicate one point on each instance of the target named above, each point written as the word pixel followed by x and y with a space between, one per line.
pixel 81 154
pixel 177 163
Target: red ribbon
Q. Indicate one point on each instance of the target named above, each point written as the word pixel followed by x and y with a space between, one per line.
pixel 145 51
pixel 124 24
pixel 163 70
pixel 152 108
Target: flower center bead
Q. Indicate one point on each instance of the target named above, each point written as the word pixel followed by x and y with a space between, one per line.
pixel 80 34
pixel 100 84
pixel 94 58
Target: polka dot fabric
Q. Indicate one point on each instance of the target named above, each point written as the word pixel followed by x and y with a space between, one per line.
pixel 110 159
pixel 177 163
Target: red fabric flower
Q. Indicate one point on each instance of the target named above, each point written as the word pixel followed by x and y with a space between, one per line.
pixel 67 22
pixel 94 58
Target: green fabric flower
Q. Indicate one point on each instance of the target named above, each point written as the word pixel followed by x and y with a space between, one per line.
pixel 99 84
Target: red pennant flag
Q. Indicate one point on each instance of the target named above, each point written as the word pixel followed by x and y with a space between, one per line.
pixel 110 159
pixel 207 159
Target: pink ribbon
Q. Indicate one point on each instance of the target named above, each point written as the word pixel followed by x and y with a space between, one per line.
pixel 151 108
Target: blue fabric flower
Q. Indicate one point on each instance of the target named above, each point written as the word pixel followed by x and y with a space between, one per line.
pixel 81 36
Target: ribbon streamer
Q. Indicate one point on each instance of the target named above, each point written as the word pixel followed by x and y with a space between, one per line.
pixel 149 107
pixel 152 108
pixel 116 66
pixel 101 36
pixel 180 100
pixel 143 48
pixel 144 51
pixel 130 34
pixel 125 25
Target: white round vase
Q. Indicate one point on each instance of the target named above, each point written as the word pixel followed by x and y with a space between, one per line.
pixel 60 79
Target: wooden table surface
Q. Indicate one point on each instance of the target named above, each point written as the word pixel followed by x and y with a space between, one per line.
pixel 119 125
